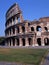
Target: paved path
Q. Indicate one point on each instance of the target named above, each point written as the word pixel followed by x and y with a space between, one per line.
pixel 36 47
pixel 9 63
pixel 46 61
pixel 12 63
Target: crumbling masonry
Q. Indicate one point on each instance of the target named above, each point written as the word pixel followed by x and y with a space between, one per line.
pixel 20 32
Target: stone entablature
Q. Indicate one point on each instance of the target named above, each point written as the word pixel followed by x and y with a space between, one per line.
pixel 20 32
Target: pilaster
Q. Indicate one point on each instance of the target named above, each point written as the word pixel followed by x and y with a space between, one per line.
pixel 20 29
pixel 15 42
pixel 20 41
pixel 26 27
pixel 33 41
pixel 26 42
pixel 11 42
pixel 16 20
pixel 42 41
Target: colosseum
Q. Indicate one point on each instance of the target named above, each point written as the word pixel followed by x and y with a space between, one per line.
pixel 20 32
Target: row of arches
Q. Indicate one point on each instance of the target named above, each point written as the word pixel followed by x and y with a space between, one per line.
pixel 15 30
pixel 27 42
pixel 19 42
pixel 39 28
pixel 46 41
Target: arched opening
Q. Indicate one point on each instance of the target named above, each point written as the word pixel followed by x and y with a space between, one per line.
pixel 19 20
pixel 17 42
pixel 14 20
pixel 39 41
pixel 29 39
pixel 23 40
pixel 32 28
pixel 23 29
pixel 39 28
pixel 46 29
pixel 18 29
pixel 13 31
pixel 46 41
pixel 10 31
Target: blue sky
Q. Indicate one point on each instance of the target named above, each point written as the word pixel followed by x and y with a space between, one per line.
pixel 31 9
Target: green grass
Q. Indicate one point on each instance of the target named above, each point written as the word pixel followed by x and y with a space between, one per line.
pixel 22 55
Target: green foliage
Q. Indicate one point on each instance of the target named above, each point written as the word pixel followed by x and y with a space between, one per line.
pixel 1 39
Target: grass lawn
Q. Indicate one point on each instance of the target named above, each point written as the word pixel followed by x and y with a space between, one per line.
pixel 22 55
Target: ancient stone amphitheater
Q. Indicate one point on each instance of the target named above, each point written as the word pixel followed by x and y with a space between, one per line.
pixel 20 32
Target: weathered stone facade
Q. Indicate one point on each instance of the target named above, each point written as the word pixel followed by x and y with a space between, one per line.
pixel 20 32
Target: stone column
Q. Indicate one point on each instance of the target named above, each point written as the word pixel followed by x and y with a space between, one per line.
pixel 5 43
pixel 16 20
pixel 26 42
pixel 48 28
pixel 12 22
pixel 33 41
pixel 20 29
pixel 42 41
pixel 36 44
pixel 43 30
pixel 15 31
pixel 20 41
pixel 11 31
pixel 35 29
pixel 11 42
pixel 15 42
pixel 29 29
pixel 8 42
pixel 26 27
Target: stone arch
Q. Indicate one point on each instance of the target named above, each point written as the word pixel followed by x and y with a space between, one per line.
pixel 17 29
pixel 17 42
pixel 30 41
pixel 23 29
pixel 13 30
pixel 39 41
pixel 13 42
pixel 18 19
pixel 46 29
pixel 46 41
pixel 32 28
pixel 38 28
pixel 23 40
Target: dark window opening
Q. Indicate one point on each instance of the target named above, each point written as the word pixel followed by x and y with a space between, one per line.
pixel 38 28
pixel 18 29
pixel 39 41
pixel 32 29
pixel 13 31
pixel 46 41
pixel 29 39
pixel 23 29
pixel 46 29
pixel 10 31
pixel 10 42
pixel 18 19
pixel 23 40
pixel 18 42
